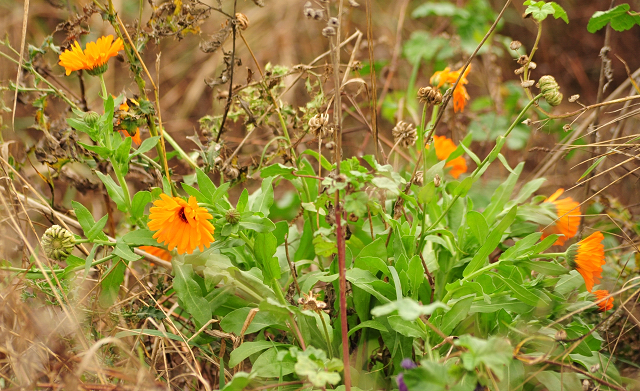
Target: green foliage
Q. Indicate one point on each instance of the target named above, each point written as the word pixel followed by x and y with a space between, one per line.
pixel 539 10
pixel 620 17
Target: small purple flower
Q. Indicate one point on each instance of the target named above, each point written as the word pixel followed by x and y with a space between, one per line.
pixel 407 363
pixel 401 385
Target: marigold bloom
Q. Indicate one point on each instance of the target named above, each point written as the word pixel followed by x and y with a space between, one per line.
pixel 157 251
pixel 94 58
pixel 444 147
pixel 182 224
pixel 568 212
pixel 604 305
pixel 460 95
pixel 127 130
pixel 587 257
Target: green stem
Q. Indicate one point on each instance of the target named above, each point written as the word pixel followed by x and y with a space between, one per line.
pixel 326 334
pixel 104 86
pixel 421 143
pixel 244 237
pixel 42 272
pixel 480 167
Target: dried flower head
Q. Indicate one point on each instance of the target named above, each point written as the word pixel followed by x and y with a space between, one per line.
pixel 587 257
pixel 310 302
pixel 574 98
pixel 523 59
pixel 318 125
pixel 437 180
pixel 58 243
pixel 182 224
pixel 568 217
pixel 354 3
pixel 429 95
pixel 405 133
pixel 533 65
pixel 527 84
pixel 333 22
pixel 310 13
pixel 94 58
pixel 515 45
pixel 566 127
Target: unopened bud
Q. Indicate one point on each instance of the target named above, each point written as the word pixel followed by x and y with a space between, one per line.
pixel 232 216
pixel 91 118
pixel 58 243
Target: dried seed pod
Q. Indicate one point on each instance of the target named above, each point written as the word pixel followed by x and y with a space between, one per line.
pixel 418 180
pixel 405 133
pixel 333 22
pixel 566 127
pixel 242 21
pixel 354 3
pixel 328 32
pixel 310 13
pixel 519 71
pixel 533 65
pixel 561 335
pixel 319 14
pixel 523 59
pixel 58 243
pixel 527 122
pixel 574 98
pixel 515 45
pixel 527 84
pixel 352 217
pixel 429 95
pixel 550 90
pixel 330 145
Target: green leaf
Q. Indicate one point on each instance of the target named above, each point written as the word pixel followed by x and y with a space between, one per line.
pixel 122 155
pixel 455 315
pixel 495 353
pixel 567 381
pixel 546 268
pixel 278 169
pixel 405 327
pixel 591 168
pixel 265 249
pixel 96 230
pixel 85 218
pixel 438 9
pixel 146 146
pixel 618 17
pixel 207 188
pixel 520 292
pixel 234 321
pixel 372 324
pixel 123 251
pixel 521 246
pixel 190 293
pixel 539 11
pixel 262 199
pixel 559 12
pixel 247 349
pixel 256 223
pixel 502 194
pixel 323 160
pixel 478 225
pixel 139 203
pixel 407 309
pixel 115 191
pixel 427 192
pixel 267 365
pixel 140 237
pixel 357 203
pixel 492 241
pixel 111 282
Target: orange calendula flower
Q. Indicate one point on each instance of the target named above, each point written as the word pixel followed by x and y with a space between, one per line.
pixel 94 58
pixel 587 257
pixel 182 224
pixel 460 95
pixel 444 147
pixel 606 304
pixel 568 212
pixel 158 252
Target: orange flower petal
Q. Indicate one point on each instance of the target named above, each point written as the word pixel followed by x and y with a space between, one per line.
pixel 182 224
pixel 444 148
pixel 568 212
pixel 587 257
pixel 460 95
pixel 95 55
pixel 158 252
pixel 605 305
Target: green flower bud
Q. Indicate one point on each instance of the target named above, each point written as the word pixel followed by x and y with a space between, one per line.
pixel 91 118
pixel 58 243
pixel 232 216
